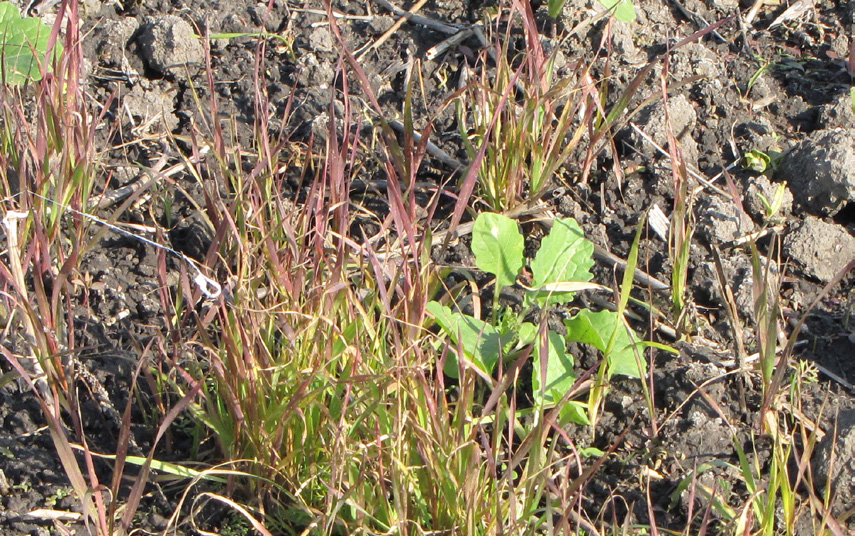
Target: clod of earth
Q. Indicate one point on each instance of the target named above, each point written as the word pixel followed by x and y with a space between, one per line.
pixel 821 171
pixel 820 249
pixel 169 45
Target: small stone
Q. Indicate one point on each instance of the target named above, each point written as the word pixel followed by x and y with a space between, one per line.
pixel 821 171
pixel 265 18
pixel 819 249
pixel 623 41
pixel 92 7
pixel 153 107
pixel 702 61
pixel 316 74
pixel 839 46
pixel 169 44
pixel 233 24
pixel 116 36
pixel 380 24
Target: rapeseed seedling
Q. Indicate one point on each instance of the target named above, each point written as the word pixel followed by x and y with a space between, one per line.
pixel 559 270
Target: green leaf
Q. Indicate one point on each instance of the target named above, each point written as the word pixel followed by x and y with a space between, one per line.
pixel 508 328
pixel 755 160
pixel 480 341
pixel 555 7
pixel 559 370
pixel 560 377
pixel 565 256
pixel 498 247
pixel 592 452
pixel 574 411
pixel 23 45
pixel 596 329
pixel 623 10
pixel 527 334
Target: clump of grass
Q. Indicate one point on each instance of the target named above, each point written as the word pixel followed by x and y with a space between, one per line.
pixel 46 164
pixel 48 167
pixel 317 374
pixel 528 121
pixel 53 158
pixel 296 350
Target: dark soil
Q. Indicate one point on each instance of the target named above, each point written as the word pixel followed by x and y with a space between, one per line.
pixel 701 404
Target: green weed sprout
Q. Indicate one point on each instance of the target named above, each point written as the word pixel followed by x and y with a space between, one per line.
pixel 560 269
pixel 774 206
pixel 623 10
pixel 24 46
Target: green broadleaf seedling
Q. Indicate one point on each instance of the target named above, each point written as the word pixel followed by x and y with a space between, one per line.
pixel 498 248
pixel 565 255
pixel 755 160
pixel 555 7
pixel 23 46
pixel 623 10
pixel 560 268
pixel 774 206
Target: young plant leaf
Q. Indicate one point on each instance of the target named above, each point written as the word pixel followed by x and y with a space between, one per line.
pixel 596 329
pixel 574 411
pixel 555 7
pixel 623 10
pixel 508 328
pixel 527 334
pixel 565 256
pixel 23 45
pixel 755 160
pixel 498 247
pixel 592 452
pixel 480 341
pixel 559 370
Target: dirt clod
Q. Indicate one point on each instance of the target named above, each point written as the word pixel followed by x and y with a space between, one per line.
pixel 821 171
pixel 682 117
pixel 153 107
pixel 820 249
pixel 838 113
pixel 168 45
pixel 762 186
pixel 721 221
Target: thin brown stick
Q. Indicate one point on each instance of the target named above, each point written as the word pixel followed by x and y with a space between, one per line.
pixel 752 13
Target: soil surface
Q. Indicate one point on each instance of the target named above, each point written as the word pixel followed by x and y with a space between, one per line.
pixel 782 88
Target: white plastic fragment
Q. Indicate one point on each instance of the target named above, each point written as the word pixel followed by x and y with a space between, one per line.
pixel 208 286
pixel 12 216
